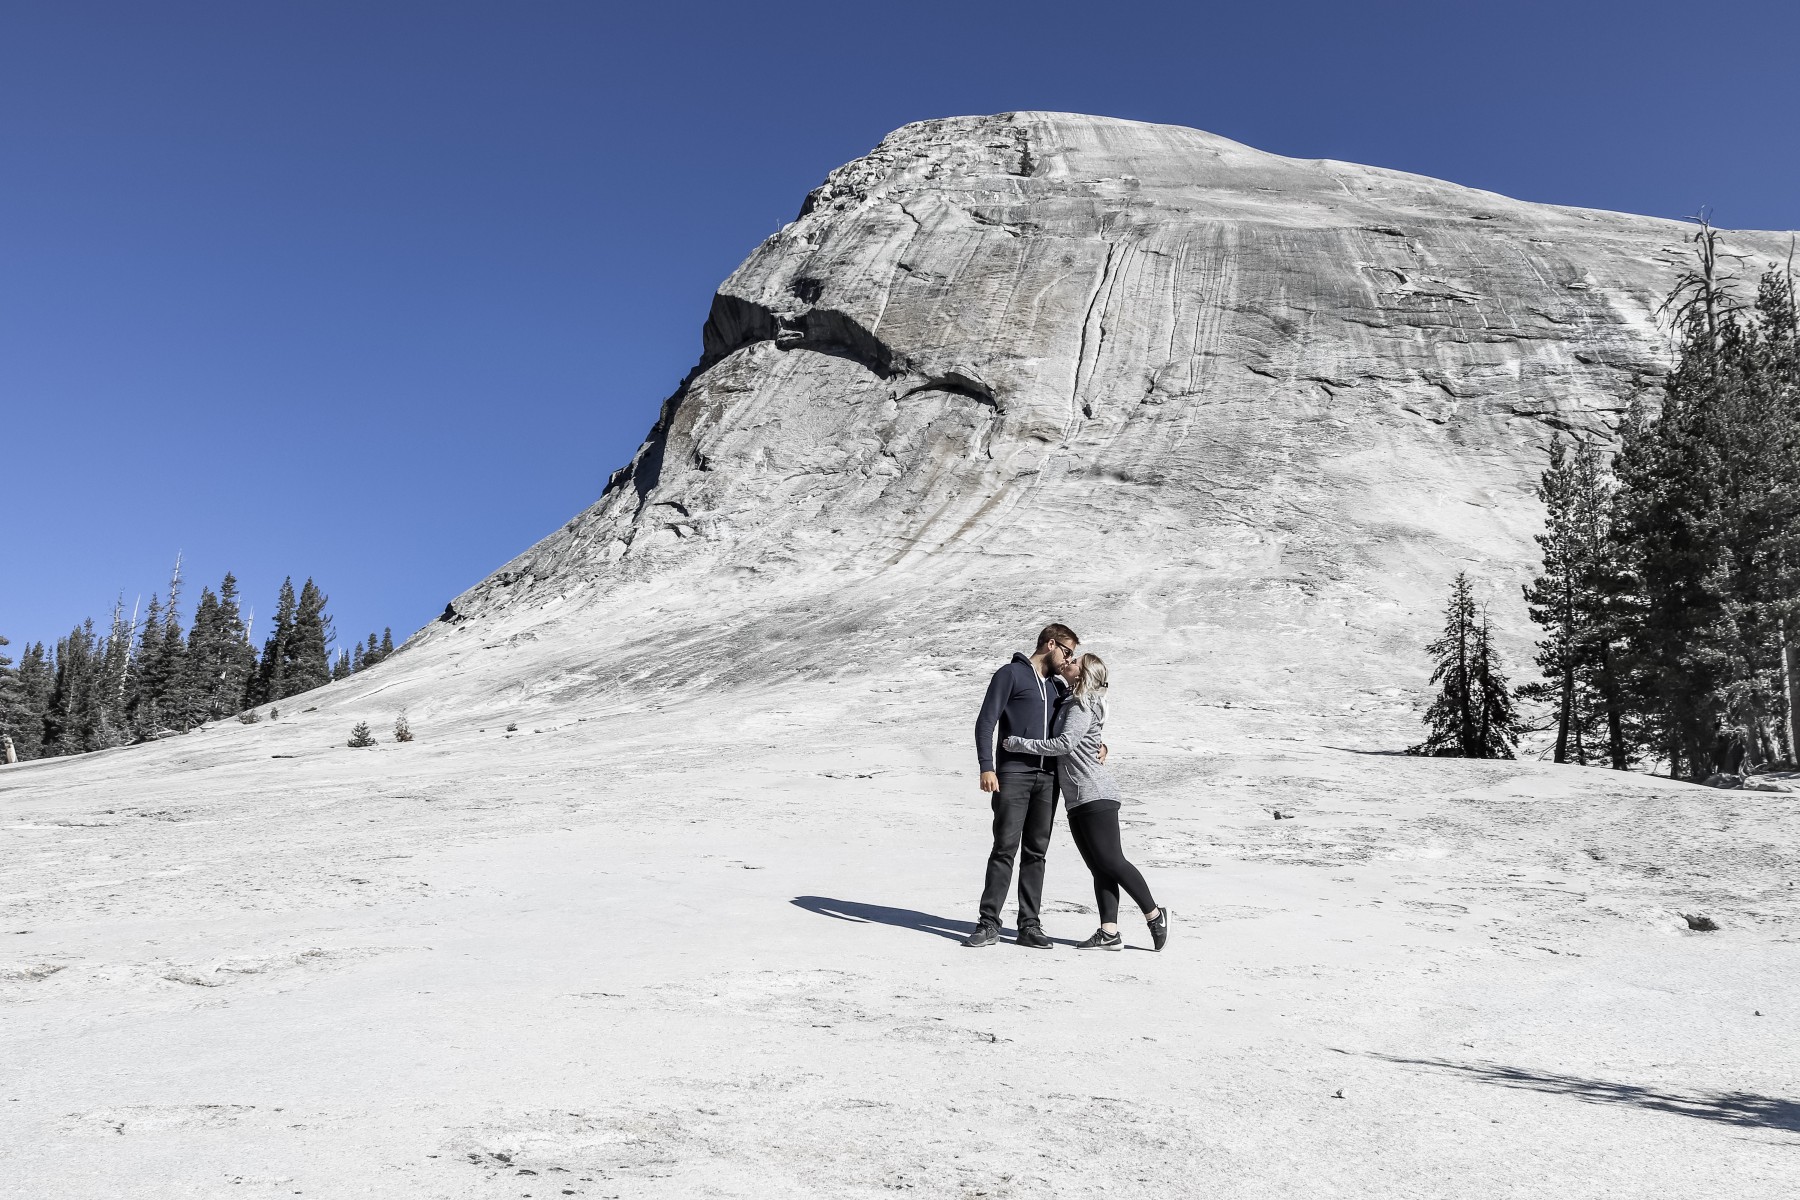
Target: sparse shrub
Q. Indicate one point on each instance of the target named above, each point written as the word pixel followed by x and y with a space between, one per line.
pixel 360 736
pixel 249 717
pixel 513 728
pixel 402 731
pixel 274 714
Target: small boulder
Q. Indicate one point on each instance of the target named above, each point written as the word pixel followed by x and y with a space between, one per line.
pixel 1762 783
pixel 1699 923
pixel 1721 780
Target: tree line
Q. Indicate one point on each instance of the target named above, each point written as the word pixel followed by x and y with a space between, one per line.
pixel 138 678
pixel 1669 599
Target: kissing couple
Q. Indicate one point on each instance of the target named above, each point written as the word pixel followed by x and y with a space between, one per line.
pixel 1048 712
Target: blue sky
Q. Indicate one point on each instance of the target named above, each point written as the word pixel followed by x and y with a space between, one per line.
pixel 380 292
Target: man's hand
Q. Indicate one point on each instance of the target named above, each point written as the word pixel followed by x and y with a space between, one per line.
pixel 1102 752
pixel 990 782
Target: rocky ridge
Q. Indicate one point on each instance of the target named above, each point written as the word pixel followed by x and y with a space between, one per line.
pixel 1183 389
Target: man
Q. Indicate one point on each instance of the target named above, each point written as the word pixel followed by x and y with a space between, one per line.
pixel 1021 700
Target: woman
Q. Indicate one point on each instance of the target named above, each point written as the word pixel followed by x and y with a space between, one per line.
pixel 1093 802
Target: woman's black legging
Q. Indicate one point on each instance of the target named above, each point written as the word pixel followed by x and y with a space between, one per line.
pixel 1095 826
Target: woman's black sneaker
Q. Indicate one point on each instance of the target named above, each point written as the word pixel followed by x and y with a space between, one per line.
pixel 986 934
pixel 1102 940
pixel 1159 928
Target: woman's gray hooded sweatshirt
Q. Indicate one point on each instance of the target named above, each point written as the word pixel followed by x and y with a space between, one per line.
pixel 1074 742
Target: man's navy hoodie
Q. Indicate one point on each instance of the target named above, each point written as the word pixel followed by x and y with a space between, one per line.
pixel 1018 704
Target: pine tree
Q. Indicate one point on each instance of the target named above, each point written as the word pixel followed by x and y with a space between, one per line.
pixel 309 663
pixel 1472 716
pixel 272 681
pixel 1571 600
pixel 77 718
pixel 1496 724
pixel 149 678
pixel 387 643
pixel 1778 363
pixel 9 699
pixel 356 659
pixel 111 702
pixel 342 669
pixel 372 654
pixel 179 703
pixel 232 659
pixel 201 666
pixel 1707 507
pixel 36 678
pixel 1670 527
pixel 1453 718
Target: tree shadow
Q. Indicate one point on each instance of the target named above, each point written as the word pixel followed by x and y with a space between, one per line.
pixel 1742 1109
pixel 879 914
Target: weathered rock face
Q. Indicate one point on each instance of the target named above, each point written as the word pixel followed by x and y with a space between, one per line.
pixel 1255 409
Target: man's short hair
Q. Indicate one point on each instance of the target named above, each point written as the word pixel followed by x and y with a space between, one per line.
pixel 1057 633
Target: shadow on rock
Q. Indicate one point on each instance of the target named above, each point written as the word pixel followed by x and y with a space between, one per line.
pixel 1728 1108
pixel 878 914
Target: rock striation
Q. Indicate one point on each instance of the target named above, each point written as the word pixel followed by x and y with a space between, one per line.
pixel 1257 406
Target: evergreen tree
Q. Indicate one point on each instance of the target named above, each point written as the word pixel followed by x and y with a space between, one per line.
pixel 1452 720
pixel 342 669
pixel 78 719
pixel 309 663
pixel 9 698
pixel 201 664
pixel 35 680
pixel 149 679
pixel 272 681
pixel 219 657
pixel 387 643
pixel 1778 351
pixel 1570 599
pixel 372 655
pixel 1472 715
pixel 112 688
pixel 232 666
pixel 1496 724
pixel 1670 527
pixel 356 659
pixel 1705 525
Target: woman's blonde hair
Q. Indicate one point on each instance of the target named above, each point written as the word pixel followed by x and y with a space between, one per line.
pixel 1090 682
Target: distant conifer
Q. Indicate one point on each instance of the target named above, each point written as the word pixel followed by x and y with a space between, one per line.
pixel 36 678
pixel 10 695
pixel 309 649
pixel 1570 599
pixel 277 653
pixel 1472 715
pixel 232 659
pixel 1497 726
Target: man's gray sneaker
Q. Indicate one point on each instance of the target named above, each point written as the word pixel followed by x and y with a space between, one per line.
pixel 1032 935
pixel 1102 940
pixel 986 934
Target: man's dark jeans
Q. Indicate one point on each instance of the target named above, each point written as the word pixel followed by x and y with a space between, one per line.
pixel 1024 814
